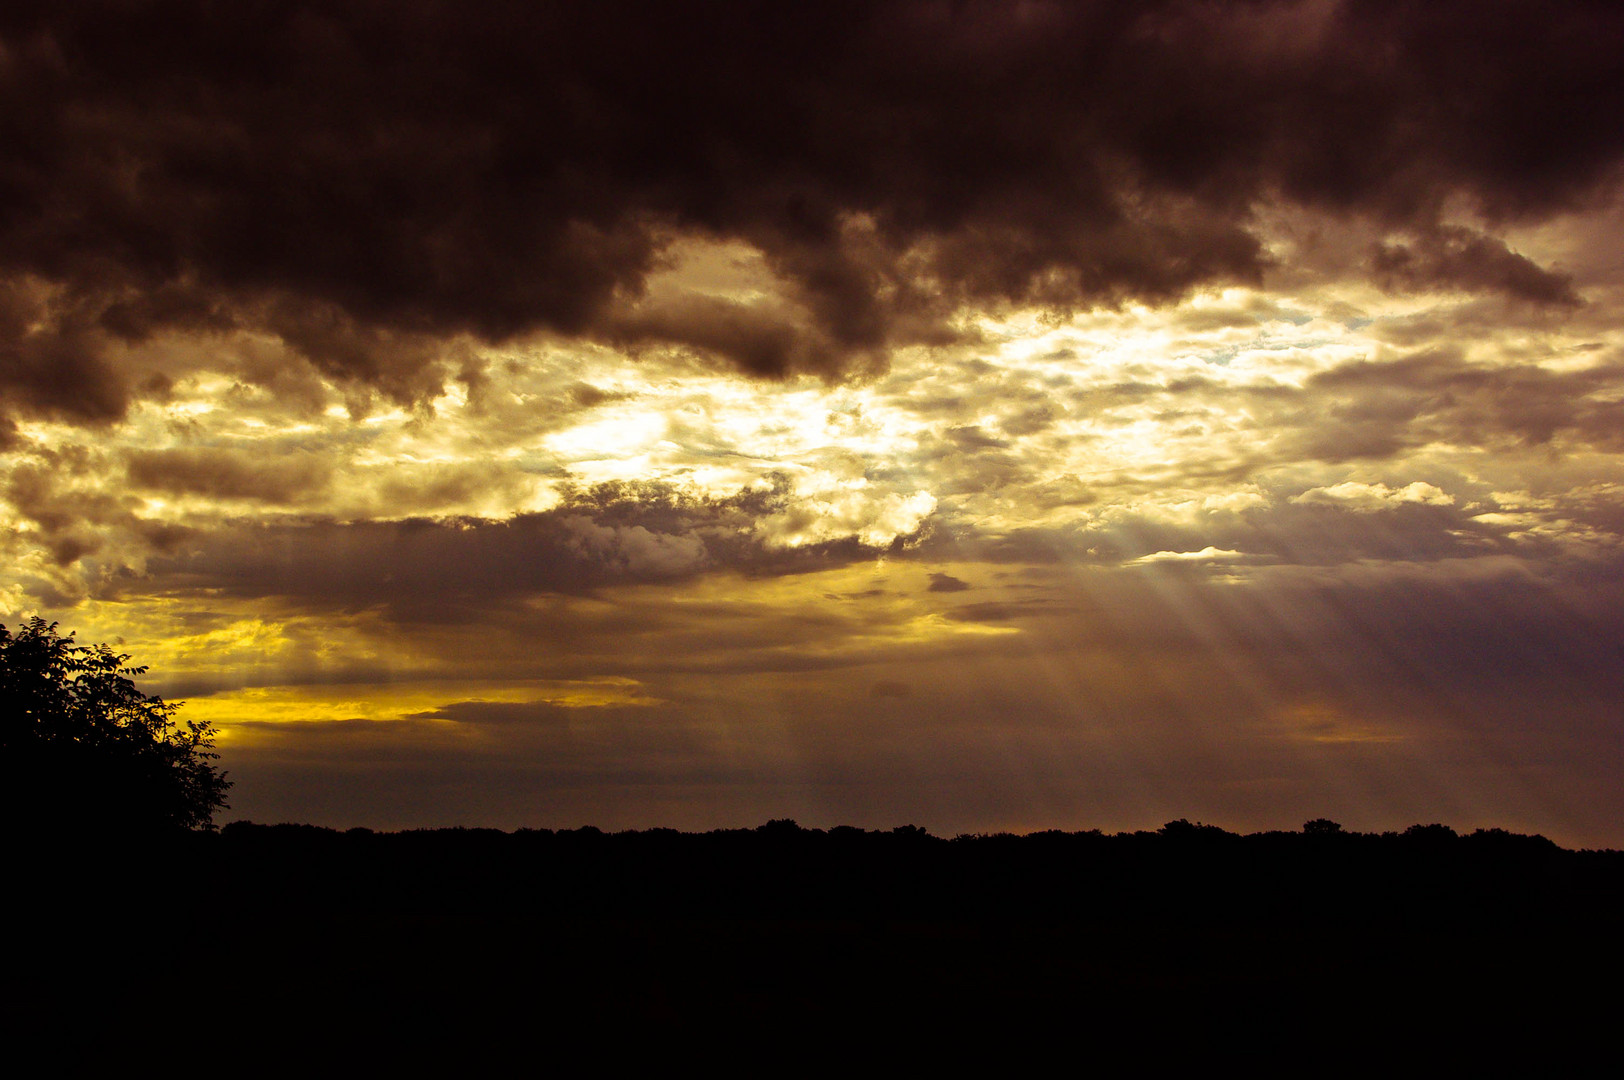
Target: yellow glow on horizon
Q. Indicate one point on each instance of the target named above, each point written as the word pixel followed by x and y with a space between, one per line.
pixel 229 710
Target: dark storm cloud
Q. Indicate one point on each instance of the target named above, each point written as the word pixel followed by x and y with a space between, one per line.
pixel 755 341
pixel 53 362
pixel 428 566
pixel 1460 259
pixel 367 180
pixel 603 535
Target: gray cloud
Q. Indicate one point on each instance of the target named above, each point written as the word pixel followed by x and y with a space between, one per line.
pixel 1374 408
pixel 228 474
pixel 452 568
pixel 1460 259
pixel 947 583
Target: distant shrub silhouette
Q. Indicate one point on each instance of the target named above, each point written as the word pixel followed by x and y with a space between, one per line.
pixel 83 748
pixel 1430 834
pixel 1183 830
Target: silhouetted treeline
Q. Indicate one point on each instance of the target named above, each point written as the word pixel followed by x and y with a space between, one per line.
pixel 1190 874
pixel 1182 871
pixel 1324 932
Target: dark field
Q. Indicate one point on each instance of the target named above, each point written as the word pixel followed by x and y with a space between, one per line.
pixel 1178 945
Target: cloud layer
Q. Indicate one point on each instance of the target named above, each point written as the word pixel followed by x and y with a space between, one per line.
pixel 369 184
pixel 993 415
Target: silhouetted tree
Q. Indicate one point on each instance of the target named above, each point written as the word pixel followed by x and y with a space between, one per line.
pixel 1430 834
pixel 82 747
pixel 1184 831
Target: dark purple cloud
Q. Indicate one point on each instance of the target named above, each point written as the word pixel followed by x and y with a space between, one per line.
pixel 367 181
pixel 458 569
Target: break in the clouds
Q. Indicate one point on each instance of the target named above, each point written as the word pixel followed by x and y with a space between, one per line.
pixel 992 415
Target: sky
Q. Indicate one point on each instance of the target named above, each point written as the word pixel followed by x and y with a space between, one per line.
pixel 984 416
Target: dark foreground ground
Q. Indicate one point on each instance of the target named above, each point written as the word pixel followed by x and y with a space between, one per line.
pixel 764 950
